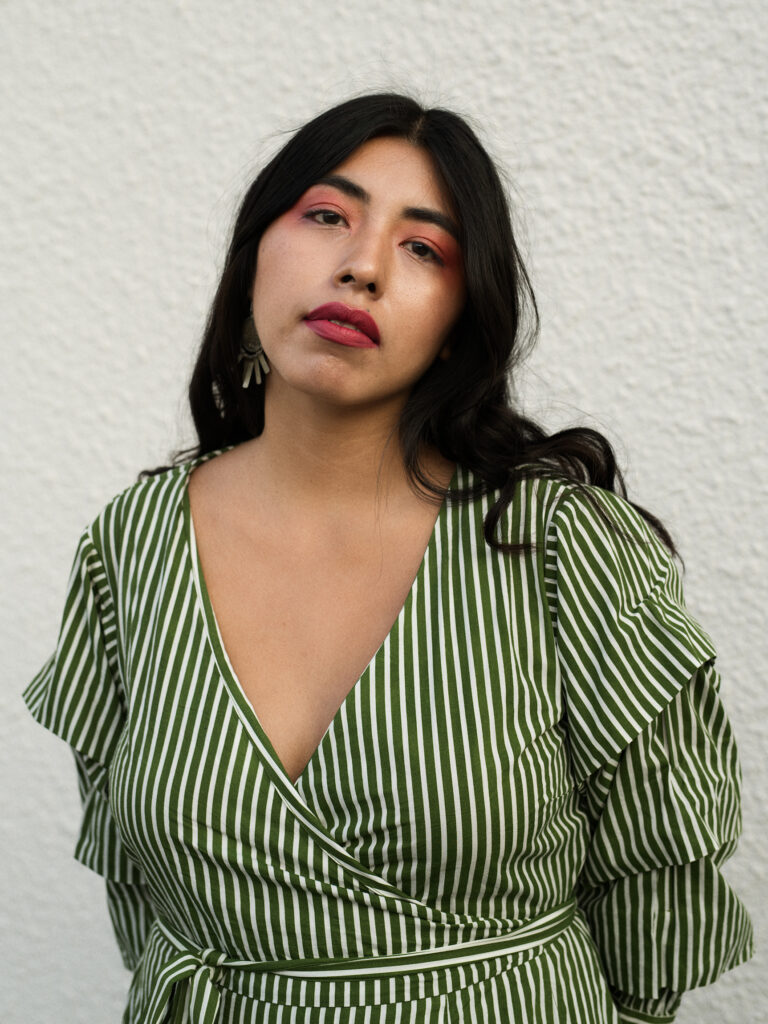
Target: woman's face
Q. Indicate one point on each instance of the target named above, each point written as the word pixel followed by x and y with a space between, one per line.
pixel 375 237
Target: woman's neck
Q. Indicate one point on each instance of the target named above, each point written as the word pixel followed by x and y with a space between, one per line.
pixel 335 458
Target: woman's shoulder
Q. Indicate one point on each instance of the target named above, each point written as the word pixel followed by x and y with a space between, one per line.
pixel 559 499
pixel 579 528
pixel 143 512
pixel 541 505
pixel 602 536
pixel 154 491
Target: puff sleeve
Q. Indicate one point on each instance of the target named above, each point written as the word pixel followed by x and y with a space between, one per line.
pixel 654 758
pixel 78 694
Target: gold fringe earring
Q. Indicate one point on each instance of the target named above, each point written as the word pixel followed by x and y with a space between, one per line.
pixel 252 355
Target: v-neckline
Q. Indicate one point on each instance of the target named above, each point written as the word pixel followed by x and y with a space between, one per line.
pixel 214 639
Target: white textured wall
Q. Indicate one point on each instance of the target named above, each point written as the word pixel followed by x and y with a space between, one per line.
pixel 634 135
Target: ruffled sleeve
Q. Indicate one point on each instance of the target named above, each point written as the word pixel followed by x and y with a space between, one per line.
pixel 654 757
pixel 79 695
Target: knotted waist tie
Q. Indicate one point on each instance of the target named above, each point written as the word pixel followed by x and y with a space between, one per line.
pixel 197 1001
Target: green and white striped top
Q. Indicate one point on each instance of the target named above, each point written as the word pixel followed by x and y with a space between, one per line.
pixel 519 811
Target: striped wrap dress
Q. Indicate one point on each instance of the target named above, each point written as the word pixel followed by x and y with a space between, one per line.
pixel 518 813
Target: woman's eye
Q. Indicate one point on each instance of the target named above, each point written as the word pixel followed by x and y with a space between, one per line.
pixel 332 218
pixel 314 214
pixel 425 252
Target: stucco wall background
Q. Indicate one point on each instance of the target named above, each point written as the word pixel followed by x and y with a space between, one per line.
pixel 634 136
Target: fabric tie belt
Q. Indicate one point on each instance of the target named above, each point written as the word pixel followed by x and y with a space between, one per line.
pixel 197 1001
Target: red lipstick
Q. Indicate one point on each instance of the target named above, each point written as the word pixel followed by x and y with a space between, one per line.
pixel 355 328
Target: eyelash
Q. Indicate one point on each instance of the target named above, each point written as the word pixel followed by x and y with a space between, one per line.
pixel 431 258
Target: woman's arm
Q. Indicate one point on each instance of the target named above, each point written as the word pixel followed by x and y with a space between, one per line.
pixel 653 755
pixel 664 817
pixel 79 695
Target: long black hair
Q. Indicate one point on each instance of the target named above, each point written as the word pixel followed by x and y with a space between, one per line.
pixel 462 406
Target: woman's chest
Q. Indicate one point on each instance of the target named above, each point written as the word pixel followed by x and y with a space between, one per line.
pixel 299 625
pixel 448 751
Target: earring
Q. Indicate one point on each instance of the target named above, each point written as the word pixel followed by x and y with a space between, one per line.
pixel 251 353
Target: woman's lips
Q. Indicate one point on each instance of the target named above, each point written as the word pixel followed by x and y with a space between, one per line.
pixel 348 316
pixel 343 335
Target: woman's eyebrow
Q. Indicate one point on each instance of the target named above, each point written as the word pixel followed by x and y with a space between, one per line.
pixel 422 213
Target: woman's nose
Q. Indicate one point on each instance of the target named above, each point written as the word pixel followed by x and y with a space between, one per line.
pixel 363 263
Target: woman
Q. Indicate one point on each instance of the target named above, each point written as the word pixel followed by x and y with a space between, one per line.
pixel 385 704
